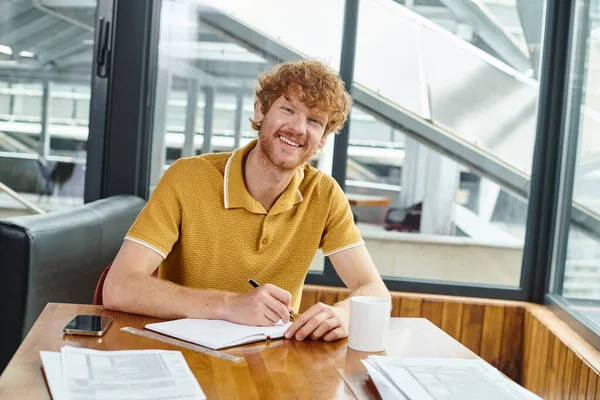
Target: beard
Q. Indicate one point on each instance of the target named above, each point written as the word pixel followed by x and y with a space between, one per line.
pixel 280 157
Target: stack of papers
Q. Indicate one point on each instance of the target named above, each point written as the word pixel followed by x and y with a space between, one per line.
pixel 76 373
pixel 441 378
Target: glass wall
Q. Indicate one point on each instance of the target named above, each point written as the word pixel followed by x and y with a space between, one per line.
pixel 200 61
pixel 44 103
pixel 576 266
pixel 423 214
pixel 472 81
pixel 205 87
pixel 445 219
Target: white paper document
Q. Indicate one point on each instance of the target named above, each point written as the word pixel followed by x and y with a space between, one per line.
pixel 217 334
pixel 84 374
pixel 385 387
pixel 441 379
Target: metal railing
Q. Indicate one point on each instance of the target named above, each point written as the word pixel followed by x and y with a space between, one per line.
pixel 21 199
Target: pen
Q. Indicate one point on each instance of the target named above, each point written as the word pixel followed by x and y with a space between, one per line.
pixel 256 284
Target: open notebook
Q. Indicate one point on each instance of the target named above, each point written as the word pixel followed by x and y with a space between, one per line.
pixel 217 334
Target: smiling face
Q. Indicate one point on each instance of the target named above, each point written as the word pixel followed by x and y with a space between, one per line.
pixel 290 133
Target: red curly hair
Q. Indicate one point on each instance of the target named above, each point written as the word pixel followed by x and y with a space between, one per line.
pixel 312 83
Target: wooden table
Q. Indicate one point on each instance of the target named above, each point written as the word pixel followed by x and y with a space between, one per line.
pixel 279 369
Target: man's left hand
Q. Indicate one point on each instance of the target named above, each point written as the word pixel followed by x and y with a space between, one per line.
pixel 320 321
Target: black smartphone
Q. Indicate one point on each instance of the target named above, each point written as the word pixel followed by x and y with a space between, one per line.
pixel 91 325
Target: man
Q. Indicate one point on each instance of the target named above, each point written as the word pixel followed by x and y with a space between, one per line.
pixel 261 212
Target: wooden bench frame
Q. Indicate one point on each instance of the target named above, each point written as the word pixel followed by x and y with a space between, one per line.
pixel 526 341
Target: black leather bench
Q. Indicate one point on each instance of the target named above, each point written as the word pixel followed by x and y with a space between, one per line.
pixel 56 257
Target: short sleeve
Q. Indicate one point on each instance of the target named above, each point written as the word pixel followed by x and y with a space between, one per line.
pixel 158 224
pixel 340 232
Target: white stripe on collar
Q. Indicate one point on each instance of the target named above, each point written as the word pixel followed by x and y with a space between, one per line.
pixel 226 179
pixel 301 171
pixel 300 197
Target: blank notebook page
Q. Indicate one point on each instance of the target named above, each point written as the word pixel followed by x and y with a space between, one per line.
pixel 217 334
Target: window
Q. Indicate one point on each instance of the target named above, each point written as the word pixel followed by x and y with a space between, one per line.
pixel 444 112
pixel 44 104
pixel 202 60
pixel 576 261
pixel 441 133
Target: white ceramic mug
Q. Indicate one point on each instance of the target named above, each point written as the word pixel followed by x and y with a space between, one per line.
pixel 369 320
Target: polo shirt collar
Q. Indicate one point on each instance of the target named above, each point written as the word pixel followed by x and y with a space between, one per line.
pixel 235 194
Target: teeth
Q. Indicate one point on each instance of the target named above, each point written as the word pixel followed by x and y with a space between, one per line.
pixel 289 141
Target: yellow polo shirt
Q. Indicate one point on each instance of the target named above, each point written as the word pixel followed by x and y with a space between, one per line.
pixel 212 234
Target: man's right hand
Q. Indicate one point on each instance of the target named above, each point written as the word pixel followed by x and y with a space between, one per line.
pixel 262 306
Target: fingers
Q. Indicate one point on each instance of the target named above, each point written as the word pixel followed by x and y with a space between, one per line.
pixel 309 323
pixel 302 320
pixel 280 294
pixel 270 315
pixel 262 306
pixel 309 327
pixel 319 321
pixel 275 306
pixel 335 334
pixel 325 327
pixel 272 297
